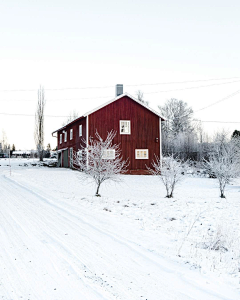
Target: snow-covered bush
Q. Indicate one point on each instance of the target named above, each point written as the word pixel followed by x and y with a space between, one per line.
pixel 170 170
pixel 100 161
pixel 224 162
pixel 219 249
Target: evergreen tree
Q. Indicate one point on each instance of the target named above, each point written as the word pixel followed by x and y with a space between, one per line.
pixel 236 134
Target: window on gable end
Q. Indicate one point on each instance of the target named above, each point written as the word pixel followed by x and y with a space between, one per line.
pixel 60 140
pixel 71 134
pixel 125 127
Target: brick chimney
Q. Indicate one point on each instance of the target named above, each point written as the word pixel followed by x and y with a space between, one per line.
pixel 119 89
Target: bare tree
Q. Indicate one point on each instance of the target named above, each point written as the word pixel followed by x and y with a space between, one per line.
pixel 39 123
pixel 178 116
pixel 177 128
pixel 170 171
pixel 100 161
pixel 224 161
pixel 140 94
pixel 4 146
pixel 72 116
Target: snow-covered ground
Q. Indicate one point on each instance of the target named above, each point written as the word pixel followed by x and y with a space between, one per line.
pixel 58 241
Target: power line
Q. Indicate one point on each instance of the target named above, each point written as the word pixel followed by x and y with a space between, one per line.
pixel 180 82
pixel 111 86
pixel 30 115
pixel 51 116
pixel 225 98
pixel 227 122
pixel 104 97
pixel 194 87
pixel 50 100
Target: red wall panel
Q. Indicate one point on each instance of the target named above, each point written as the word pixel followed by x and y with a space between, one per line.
pixel 144 129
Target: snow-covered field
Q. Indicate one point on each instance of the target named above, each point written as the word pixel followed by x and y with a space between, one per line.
pixel 60 242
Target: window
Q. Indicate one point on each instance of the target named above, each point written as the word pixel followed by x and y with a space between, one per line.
pixel 60 138
pixel 125 127
pixel 141 154
pixel 109 154
pixel 71 134
pixel 80 154
pixel 65 136
pixel 80 130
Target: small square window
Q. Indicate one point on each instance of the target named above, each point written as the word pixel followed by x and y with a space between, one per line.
pixel 141 154
pixel 80 130
pixel 125 127
pixel 71 134
pixel 109 154
pixel 60 139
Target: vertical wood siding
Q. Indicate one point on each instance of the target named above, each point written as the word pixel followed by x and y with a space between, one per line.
pixel 144 129
pixel 76 140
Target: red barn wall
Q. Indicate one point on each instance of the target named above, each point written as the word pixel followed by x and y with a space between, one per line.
pixel 145 129
pixel 76 140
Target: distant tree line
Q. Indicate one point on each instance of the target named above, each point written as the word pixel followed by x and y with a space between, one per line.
pixel 182 135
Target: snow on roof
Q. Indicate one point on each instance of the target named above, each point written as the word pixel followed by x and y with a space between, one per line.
pixel 109 102
pixel 21 152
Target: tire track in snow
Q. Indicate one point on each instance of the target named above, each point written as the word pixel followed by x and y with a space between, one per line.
pixel 63 243
pixel 139 255
pixel 23 235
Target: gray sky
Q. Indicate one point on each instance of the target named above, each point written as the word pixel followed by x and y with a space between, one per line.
pixel 76 44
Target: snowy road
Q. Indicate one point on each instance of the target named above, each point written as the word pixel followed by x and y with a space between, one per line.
pixel 51 251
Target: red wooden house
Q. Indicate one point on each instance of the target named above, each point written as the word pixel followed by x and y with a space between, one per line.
pixel 138 130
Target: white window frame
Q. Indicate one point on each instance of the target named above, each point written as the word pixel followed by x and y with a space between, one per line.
pixel 80 130
pixel 108 154
pixel 60 139
pixel 71 134
pixel 139 154
pixel 128 126
pixel 65 136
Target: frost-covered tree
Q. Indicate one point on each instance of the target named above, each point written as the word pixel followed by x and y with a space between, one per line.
pixel 224 161
pixel 178 126
pixel 140 97
pixel 72 116
pixel 236 133
pixel 100 161
pixel 39 123
pixel 4 146
pixel 178 116
pixel 170 171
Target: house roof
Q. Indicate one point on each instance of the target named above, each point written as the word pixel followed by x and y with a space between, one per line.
pixel 109 102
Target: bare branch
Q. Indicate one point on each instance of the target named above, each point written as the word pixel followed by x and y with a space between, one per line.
pixel 101 160
pixel 39 123
pixel 224 161
pixel 170 171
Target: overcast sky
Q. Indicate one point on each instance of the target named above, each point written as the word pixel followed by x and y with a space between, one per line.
pixel 78 44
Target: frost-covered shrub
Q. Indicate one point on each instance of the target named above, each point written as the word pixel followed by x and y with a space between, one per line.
pixel 100 160
pixel 224 162
pixel 170 170
pixel 218 250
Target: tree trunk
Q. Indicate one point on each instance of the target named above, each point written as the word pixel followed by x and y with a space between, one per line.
pixel 222 195
pixel 97 192
pixel 41 156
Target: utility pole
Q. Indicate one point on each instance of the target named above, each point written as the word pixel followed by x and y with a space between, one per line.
pixel 9 163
